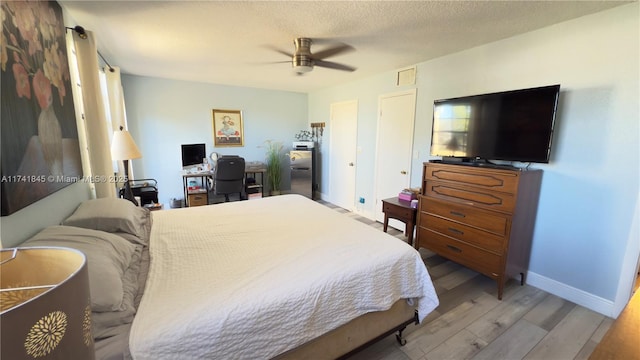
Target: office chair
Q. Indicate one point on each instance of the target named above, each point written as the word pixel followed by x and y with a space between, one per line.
pixel 229 176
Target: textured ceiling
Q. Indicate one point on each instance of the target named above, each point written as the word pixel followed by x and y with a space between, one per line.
pixel 232 42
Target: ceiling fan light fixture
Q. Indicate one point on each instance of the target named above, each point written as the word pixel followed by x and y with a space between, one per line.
pixel 302 69
pixel 302 63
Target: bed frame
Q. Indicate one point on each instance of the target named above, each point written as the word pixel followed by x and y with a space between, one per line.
pixel 357 334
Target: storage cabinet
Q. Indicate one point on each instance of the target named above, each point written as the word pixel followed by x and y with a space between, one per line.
pixel 197 199
pixel 199 195
pixel 479 217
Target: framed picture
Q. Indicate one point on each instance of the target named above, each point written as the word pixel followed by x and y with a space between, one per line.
pixel 227 128
pixel 40 149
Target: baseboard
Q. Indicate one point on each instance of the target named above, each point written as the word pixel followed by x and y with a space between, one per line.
pixel 364 213
pixel 580 297
pixel 577 296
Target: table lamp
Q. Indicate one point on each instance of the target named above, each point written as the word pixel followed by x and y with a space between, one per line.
pixel 45 306
pixel 124 148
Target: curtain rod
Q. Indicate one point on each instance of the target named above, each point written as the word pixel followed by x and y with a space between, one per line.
pixel 111 69
pixel 83 35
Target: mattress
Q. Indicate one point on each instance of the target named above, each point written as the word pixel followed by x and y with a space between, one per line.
pixel 253 279
pixel 113 343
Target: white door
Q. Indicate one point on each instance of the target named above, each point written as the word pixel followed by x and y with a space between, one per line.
pixel 394 147
pixel 343 128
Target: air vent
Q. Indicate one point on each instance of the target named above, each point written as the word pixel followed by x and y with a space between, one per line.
pixel 406 76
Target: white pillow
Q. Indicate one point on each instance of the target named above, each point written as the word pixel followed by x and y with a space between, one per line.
pixel 112 215
pixel 108 257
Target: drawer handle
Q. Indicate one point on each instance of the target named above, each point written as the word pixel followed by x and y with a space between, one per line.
pixel 456 231
pixel 451 247
pixel 459 214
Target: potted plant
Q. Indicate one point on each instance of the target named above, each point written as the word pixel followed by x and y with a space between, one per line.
pixel 274 156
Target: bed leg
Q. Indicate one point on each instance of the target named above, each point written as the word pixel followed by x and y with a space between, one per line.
pixel 416 320
pixel 401 340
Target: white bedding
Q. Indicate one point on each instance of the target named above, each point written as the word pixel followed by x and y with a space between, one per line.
pixel 253 279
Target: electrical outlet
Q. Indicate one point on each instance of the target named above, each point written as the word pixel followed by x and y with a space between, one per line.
pixel 361 200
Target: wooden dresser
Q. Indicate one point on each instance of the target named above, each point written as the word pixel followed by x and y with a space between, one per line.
pixel 479 217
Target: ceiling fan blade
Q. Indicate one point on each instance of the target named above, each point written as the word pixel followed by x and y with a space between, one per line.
pixel 273 48
pixel 333 65
pixel 260 63
pixel 284 52
pixel 342 48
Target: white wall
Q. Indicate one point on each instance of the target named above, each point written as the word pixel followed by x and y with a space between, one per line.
pixel 163 114
pixel 591 185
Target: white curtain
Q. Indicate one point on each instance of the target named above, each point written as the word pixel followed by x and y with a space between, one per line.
pixel 115 99
pixel 94 115
pixel 79 109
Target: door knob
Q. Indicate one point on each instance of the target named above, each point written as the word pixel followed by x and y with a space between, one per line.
pixel 350 164
pixel 403 172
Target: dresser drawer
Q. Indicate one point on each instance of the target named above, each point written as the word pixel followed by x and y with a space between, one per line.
pixel 396 211
pixel 464 233
pixel 481 219
pixel 468 195
pixel 489 179
pixel 477 259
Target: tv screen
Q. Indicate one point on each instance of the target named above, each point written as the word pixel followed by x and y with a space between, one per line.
pixel 512 125
pixel 193 154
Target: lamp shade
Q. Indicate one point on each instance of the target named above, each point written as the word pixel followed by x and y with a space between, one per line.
pixel 123 147
pixel 45 306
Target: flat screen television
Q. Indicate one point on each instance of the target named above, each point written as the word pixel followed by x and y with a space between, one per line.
pixel 193 154
pixel 512 125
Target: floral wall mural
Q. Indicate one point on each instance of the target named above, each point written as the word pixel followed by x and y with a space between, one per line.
pixel 40 148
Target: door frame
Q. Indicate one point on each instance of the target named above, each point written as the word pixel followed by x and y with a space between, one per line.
pixel 377 202
pixel 352 202
pixel 630 266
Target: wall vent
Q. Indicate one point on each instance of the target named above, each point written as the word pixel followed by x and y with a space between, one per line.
pixel 406 76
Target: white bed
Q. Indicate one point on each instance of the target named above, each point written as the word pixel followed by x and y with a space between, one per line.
pixel 282 277
pixel 255 279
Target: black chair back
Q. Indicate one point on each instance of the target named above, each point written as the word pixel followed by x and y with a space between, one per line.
pixel 229 176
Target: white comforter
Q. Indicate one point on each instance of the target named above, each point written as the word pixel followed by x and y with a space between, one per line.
pixel 253 279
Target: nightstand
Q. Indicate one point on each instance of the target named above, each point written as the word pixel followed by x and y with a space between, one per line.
pixel 153 206
pixel 394 208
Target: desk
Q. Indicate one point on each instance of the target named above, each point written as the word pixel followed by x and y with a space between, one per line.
pixel 394 208
pixel 199 196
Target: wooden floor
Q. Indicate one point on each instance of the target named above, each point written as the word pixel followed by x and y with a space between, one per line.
pixel 471 323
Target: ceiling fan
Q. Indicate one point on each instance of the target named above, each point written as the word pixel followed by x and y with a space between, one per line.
pixel 303 60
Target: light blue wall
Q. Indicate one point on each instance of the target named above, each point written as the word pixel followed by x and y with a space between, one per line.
pixel 366 92
pixel 590 188
pixel 163 114
pixel 21 225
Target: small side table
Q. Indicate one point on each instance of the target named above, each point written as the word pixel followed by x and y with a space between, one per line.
pixel 153 206
pixel 394 208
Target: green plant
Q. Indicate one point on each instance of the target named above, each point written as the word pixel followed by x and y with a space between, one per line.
pixel 274 156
